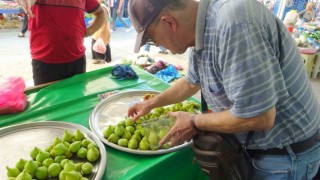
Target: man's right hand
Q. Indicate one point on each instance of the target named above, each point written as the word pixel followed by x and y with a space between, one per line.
pixel 139 109
pixel 26 5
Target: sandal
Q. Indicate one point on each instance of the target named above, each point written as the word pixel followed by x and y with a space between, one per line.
pixel 21 35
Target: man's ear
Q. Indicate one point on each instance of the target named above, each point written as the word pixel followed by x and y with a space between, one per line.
pixel 169 22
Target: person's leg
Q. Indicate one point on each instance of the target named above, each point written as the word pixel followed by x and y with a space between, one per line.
pixel 94 55
pixel 114 19
pixel 147 47
pixel 25 23
pixel 163 50
pixel 292 166
pixel 121 19
pixel 108 54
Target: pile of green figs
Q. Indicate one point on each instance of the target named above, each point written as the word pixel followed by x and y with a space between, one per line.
pixel 147 131
pixel 68 158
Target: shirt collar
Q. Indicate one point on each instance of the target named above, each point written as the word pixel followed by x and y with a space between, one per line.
pixel 200 23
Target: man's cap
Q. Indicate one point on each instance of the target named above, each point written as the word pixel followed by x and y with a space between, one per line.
pixel 142 13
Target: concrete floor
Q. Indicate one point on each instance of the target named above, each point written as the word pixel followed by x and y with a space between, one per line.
pixel 15 57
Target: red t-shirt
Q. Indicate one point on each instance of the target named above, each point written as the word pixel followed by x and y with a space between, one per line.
pixel 58 29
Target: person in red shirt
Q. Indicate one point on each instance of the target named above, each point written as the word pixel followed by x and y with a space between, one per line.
pixel 57 31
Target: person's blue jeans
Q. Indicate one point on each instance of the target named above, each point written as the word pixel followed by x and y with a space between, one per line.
pixel 300 166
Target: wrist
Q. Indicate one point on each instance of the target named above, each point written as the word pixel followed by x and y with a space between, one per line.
pixel 193 123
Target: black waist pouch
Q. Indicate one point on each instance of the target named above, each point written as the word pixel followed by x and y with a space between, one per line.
pixel 222 157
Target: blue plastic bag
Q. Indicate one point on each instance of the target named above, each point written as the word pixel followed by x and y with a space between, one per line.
pixel 123 72
pixel 168 74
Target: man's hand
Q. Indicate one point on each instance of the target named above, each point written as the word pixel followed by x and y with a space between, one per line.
pixel 26 6
pixel 138 110
pixel 182 130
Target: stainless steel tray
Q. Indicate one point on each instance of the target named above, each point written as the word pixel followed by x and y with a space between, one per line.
pixel 113 109
pixel 17 141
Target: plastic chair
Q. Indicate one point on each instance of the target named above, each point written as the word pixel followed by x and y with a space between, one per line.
pixel 309 60
pixel 316 68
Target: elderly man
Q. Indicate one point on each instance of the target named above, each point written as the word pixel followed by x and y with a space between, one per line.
pixel 250 73
pixel 57 31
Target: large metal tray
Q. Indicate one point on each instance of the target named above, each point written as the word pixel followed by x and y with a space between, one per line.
pixel 113 109
pixel 17 141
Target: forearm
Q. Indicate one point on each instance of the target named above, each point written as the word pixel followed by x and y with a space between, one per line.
pixel 120 4
pixel 97 22
pixel 225 122
pixel 180 91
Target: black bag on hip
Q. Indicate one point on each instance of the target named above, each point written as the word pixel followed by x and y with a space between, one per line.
pixel 222 157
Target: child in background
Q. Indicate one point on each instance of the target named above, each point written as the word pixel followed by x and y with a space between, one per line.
pixel 104 34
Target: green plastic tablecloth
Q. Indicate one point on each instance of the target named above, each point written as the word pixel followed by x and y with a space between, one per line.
pixel 73 99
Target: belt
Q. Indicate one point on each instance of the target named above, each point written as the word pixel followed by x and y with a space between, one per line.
pixel 296 147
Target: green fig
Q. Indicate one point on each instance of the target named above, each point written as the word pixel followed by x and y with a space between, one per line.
pixel 122 123
pixel 34 152
pixel 56 141
pixel 107 131
pixel 73 175
pixel 91 145
pixel 85 143
pixel 133 144
pixel 42 155
pixel 12 172
pixel 93 154
pixel 86 168
pixel 112 138
pixel 63 162
pixel 126 135
pixel 48 148
pixel 153 138
pixel 78 135
pixel 68 154
pixel 69 166
pixel 119 130
pixel 129 122
pixel 82 153
pixel 13 178
pixel 20 164
pixel 79 166
pixel 67 136
pixel 47 162
pixel 136 137
pixel 123 142
pixel 62 175
pixel 75 146
pixel 166 146
pixel 41 172
pixel 144 145
pixel 31 166
pixel 24 175
pixel 66 144
pixel 59 149
pixel 54 169
pixel 59 158
pixel 130 129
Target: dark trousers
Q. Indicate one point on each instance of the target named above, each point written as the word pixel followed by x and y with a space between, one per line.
pixel 106 56
pixel 25 23
pixel 44 72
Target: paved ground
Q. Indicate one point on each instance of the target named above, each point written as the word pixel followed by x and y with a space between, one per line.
pixel 15 57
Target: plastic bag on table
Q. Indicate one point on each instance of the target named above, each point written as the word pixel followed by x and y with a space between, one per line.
pixel 12 97
pixel 99 46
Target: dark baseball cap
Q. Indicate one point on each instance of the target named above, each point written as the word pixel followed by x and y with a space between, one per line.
pixel 142 13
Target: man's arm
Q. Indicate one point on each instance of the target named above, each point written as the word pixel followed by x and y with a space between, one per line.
pixel 225 122
pixel 97 22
